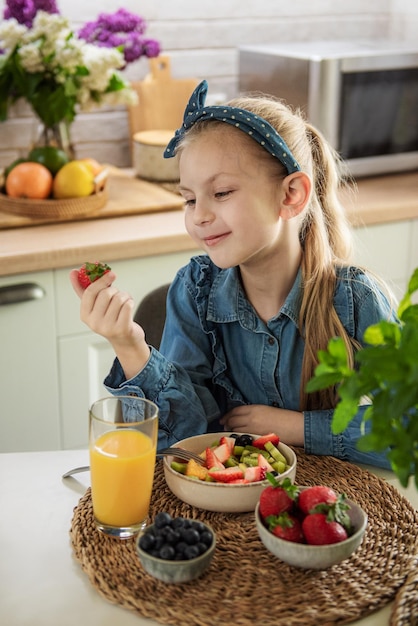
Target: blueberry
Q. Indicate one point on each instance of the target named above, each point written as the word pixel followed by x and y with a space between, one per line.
pixel 190 536
pixel 191 552
pixel 202 547
pixel 162 519
pixel 147 542
pixel 172 537
pixel 167 552
pixel 199 526
pixel 244 440
pixel 159 541
pixel 178 522
pixel 206 537
pixel 180 548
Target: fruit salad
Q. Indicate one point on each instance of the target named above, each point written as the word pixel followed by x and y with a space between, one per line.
pixel 237 459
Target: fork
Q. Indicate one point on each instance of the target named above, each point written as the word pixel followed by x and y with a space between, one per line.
pixel 181 453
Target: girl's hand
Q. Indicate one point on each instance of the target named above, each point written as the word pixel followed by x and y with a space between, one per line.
pixel 260 419
pixel 108 312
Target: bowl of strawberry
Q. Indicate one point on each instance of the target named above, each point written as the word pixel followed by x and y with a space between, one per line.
pixel 310 527
pixel 233 471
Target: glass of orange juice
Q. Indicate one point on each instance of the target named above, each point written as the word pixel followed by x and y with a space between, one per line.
pixel 123 444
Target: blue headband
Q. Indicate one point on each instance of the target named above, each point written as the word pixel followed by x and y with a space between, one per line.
pixel 256 127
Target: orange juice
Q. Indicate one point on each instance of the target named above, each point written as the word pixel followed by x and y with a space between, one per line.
pixel 122 470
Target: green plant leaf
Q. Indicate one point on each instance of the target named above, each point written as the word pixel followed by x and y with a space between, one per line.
pixel 323 381
pixel 343 414
pixel 412 288
pixel 386 371
pixel 410 314
pixel 382 333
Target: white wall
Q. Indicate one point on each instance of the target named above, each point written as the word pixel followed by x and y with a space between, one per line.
pixel 404 20
pixel 202 40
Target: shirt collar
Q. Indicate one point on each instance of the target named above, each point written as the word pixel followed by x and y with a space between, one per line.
pixel 227 301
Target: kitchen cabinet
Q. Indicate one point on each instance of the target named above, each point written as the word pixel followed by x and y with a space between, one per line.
pixel 29 415
pixel 52 366
pixel 390 250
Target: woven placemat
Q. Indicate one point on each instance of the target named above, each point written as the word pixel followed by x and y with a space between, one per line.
pixel 245 584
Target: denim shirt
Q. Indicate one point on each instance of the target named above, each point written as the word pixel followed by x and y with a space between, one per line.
pixel 216 354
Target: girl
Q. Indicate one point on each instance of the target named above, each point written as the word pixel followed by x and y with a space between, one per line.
pixel 245 321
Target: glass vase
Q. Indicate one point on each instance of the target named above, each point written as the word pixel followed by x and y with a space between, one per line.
pixel 58 136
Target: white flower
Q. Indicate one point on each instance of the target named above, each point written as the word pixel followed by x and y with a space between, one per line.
pixel 68 55
pixel 50 27
pixel 11 33
pixel 101 64
pixel 31 58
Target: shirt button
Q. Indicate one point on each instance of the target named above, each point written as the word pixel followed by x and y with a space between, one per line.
pixel 275 404
pixel 271 341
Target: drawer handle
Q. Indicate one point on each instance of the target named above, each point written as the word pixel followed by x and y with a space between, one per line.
pixel 22 292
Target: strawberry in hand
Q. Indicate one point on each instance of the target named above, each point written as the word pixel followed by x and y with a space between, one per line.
pixel 89 272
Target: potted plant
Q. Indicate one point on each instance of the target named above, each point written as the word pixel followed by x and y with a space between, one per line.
pixel 385 371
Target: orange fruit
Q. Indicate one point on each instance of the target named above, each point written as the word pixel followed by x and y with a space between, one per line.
pixel 29 180
pixel 94 165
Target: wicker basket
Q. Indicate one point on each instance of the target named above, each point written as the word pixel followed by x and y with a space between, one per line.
pixel 54 209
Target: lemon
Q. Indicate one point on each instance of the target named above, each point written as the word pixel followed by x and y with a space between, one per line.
pixel 74 180
pixel 53 158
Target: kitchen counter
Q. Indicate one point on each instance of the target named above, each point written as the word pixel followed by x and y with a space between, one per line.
pixel 68 244
pixel 42 583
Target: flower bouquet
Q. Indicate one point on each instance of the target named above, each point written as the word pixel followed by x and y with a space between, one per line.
pixel 59 72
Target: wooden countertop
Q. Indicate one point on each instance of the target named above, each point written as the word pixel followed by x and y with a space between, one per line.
pixel 383 199
pixel 68 244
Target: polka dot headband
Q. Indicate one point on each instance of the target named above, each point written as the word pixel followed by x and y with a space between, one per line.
pixel 253 125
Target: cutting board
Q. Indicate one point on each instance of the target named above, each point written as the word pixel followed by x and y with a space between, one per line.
pixel 128 195
pixel 161 98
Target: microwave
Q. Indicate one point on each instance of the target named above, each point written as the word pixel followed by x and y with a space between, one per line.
pixel 362 95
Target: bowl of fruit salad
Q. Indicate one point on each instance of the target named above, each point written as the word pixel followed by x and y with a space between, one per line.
pixel 175 549
pixel 310 527
pixel 233 471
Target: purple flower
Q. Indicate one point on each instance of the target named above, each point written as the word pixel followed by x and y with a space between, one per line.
pixel 24 11
pixel 121 29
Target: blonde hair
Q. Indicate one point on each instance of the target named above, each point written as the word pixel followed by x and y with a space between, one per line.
pixel 324 234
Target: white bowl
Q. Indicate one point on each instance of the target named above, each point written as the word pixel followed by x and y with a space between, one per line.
pixel 315 557
pixel 219 497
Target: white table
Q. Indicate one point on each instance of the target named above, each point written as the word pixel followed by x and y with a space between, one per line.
pixel 41 584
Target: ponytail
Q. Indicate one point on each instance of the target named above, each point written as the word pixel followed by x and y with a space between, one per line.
pixel 326 243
